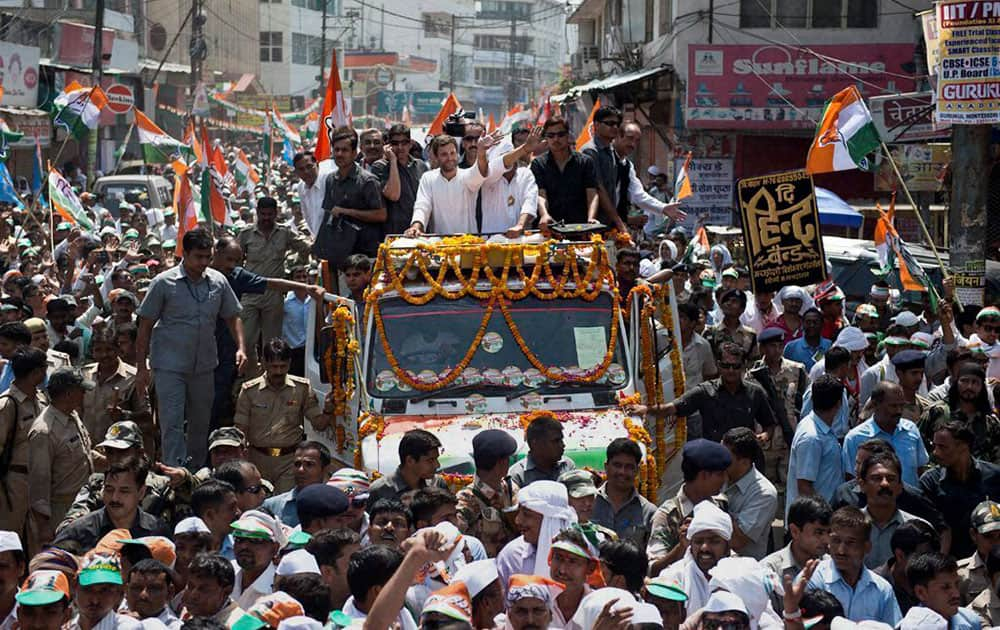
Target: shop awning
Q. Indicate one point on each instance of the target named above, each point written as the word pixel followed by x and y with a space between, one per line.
pixel 153 64
pixel 613 82
pixel 48 63
pixel 835 211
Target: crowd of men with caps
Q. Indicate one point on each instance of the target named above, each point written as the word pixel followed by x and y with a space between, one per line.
pixel 840 469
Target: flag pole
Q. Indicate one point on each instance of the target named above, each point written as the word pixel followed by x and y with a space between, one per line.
pixel 920 219
pixel 128 136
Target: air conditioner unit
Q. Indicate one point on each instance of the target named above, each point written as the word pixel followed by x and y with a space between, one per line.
pixel 590 53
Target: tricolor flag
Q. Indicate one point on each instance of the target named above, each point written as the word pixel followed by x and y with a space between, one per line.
pixel 78 108
pixel 188 211
pixel 191 139
pixel 213 185
pixel 514 116
pixel 698 246
pixel 283 128
pixel 65 201
pixel 845 136
pixel 491 126
pixel 449 107
pixel 893 253
pixel 6 137
pixel 243 170
pixel 682 183
pixel 335 112
pixel 584 137
pixel 157 146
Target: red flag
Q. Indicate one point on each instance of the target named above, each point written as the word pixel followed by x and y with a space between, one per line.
pixel 450 106
pixel 334 112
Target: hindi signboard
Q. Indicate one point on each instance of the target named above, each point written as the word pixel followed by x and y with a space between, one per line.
pixel 906 117
pixel 921 165
pixel 968 81
pixel 712 185
pixel 781 230
pixel 970 283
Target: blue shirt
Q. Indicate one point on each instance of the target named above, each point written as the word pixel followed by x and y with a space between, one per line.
pixel 293 328
pixel 841 423
pixel 906 440
pixel 6 377
pixel 814 456
pixel 872 598
pixel 799 350
pixel 227 551
pixel 283 506
pixel 965 619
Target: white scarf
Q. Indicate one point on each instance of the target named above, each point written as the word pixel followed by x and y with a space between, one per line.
pixel 548 498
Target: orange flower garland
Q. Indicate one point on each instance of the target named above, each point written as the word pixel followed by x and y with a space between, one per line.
pixel 527 418
pixel 368 424
pixel 340 369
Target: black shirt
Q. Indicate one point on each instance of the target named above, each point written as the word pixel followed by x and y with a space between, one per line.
pixel 565 190
pixel 956 499
pixel 399 213
pixel 910 500
pixel 720 410
pixel 88 530
pixel 358 190
pixel 242 281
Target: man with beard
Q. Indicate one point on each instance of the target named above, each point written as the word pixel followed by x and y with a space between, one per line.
pixel 208 594
pixel 707 541
pixel 123 490
pixel 934 577
pixel 543 511
pixel 880 481
pixel 265 246
pixel 968 402
pixel 333 549
pixel 863 594
pixel 310 465
pixel 257 538
pixel 99 594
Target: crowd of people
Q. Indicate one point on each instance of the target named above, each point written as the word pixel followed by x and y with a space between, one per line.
pixel 840 469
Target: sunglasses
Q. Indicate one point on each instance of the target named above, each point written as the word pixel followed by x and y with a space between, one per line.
pixel 557 134
pixel 730 366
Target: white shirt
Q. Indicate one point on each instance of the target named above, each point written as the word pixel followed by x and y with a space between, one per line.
pixel 311 197
pixel 405 619
pixel 504 202
pixel 448 206
pixel 116 621
pixel 262 586
pixel 168 232
pixel 638 196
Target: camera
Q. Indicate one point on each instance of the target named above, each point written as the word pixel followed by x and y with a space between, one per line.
pixel 455 124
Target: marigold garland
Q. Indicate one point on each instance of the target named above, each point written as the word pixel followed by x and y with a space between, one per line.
pixel 368 424
pixel 393 272
pixel 456 481
pixel 339 365
pixel 526 419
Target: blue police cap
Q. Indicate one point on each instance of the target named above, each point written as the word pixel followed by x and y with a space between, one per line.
pixel 707 455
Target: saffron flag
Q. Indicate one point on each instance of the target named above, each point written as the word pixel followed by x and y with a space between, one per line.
pixel 893 253
pixel 682 183
pixel 65 201
pixel 157 146
pixel 78 108
pixel 213 185
pixel 584 137
pixel 244 172
pixel 449 107
pixel 491 126
pixel 698 246
pixel 335 112
pixel 845 137
pixel 188 211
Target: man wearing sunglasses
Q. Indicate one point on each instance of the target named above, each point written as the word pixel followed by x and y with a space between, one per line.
pixel 607 127
pixel 399 173
pixel 987 334
pixel 567 179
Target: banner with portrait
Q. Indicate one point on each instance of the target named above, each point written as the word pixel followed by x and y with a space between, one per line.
pixel 781 230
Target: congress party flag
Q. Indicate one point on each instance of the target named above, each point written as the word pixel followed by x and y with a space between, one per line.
pixel 449 107
pixel 185 204
pixel 336 112
pixel 682 183
pixel 157 146
pixel 78 108
pixel 283 128
pixel 584 137
pixel 893 252
pixel 65 201
pixel 845 137
pixel 243 170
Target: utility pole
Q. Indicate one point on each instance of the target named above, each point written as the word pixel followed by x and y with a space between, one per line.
pixel 322 55
pixel 381 31
pixel 512 64
pixel 97 67
pixel 970 182
pixel 197 49
pixel 451 57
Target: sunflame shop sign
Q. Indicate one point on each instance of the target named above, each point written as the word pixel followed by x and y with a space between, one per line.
pixel 778 87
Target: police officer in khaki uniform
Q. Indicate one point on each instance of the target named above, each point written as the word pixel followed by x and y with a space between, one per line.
pixel 485 506
pixel 115 398
pixel 19 406
pixel 265 246
pixel 122 440
pixel 59 455
pixel 271 411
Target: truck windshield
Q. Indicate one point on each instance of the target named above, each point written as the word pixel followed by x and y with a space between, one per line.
pixel 429 340
pixel 132 192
